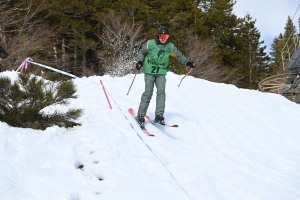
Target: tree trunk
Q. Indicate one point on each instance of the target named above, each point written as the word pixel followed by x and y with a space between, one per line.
pixel 250 66
pixel 84 67
pixel 75 59
pixel 63 56
pixel 55 54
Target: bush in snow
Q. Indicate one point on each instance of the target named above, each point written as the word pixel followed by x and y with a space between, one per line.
pixel 22 102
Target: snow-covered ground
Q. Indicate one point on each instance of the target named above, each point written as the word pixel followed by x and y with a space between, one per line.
pixel 230 144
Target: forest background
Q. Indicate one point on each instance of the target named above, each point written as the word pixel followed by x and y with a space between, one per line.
pixel 98 37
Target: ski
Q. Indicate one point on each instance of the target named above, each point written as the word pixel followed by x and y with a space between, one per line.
pixel 156 123
pixel 131 111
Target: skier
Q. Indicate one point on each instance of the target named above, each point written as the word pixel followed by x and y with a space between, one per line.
pixel 4 56
pixel 153 58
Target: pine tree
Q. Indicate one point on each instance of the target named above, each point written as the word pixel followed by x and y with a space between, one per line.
pixel 221 24
pixel 75 32
pixel 281 46
pixel 22 102
pixel 276 65
pixel 252 56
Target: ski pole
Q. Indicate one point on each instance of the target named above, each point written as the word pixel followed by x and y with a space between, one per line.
pixel 132 81
pixel 185 76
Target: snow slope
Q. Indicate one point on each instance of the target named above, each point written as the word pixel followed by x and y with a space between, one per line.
pixel 230 144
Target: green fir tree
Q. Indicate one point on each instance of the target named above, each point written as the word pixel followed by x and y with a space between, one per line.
pixel 283 47
pixel 22 102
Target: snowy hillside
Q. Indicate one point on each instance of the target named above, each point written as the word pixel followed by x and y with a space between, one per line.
pixel 230 144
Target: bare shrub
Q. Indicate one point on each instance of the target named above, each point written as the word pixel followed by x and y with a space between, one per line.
pixel 208 68
pixel 120 44
pixel 22 33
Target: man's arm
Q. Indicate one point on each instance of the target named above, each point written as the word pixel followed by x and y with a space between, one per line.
pixel 179 56
pixel 143 52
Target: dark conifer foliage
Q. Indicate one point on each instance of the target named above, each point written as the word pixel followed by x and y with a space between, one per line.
pixel 83 38
pixel 282 43
pixel 22 102
pixel 250 54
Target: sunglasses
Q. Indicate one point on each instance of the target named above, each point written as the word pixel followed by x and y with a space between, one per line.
pixel 163 36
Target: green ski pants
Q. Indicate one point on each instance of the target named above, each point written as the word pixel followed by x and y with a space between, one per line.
pixel 160 83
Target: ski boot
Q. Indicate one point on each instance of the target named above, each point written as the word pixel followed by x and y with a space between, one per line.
pixel 141 120
pixel 160 119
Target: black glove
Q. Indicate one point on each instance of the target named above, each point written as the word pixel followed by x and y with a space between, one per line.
pixel 191 64
pixel 139 65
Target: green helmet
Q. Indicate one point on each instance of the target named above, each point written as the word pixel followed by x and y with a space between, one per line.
pixel 163 30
